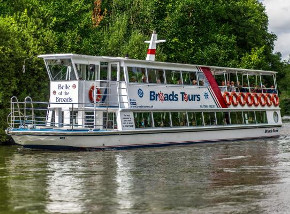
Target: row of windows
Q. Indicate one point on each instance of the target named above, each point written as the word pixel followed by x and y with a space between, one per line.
pixel 161 76
pixel 179 119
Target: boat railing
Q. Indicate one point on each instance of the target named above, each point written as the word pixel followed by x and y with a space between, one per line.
pixel 30 114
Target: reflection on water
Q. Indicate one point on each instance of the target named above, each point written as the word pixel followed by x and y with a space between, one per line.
pixel 64 188
pixel 231 177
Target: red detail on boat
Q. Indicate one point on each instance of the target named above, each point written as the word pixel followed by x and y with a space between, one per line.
pixel 151 51
pixel 217 92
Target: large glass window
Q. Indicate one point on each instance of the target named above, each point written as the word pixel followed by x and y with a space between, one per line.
pixel 161 119
pixel 160 76
pixel 249 117
pixel 104 71
pixel 209 118
pixel 236 117
pixel 151 75
pixel 221 118
pixel 143 119
pixel 173 77
pixel 137 74
pixel 61 69
pixel 195 119
pixel 179 118
pixel 261 116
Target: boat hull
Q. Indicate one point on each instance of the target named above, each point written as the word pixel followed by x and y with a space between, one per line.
pixel 99 140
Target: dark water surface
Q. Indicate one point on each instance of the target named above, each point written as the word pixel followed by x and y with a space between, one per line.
pixel 225 177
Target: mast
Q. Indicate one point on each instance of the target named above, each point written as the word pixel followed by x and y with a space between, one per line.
pixel 152 46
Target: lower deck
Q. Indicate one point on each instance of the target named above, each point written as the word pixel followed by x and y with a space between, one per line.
pixel 98 140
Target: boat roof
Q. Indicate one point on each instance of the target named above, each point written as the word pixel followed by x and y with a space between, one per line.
pixel 214 69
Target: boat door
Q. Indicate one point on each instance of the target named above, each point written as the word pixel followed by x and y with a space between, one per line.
pixel 114 70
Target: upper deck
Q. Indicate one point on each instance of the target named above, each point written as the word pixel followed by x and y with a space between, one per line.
pixel 98 81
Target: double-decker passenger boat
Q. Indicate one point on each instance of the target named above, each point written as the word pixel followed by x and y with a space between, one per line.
pixel 99 102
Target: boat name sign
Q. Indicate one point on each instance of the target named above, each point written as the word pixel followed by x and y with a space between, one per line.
pixel 64 92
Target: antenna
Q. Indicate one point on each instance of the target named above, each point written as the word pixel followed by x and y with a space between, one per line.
pixel 152 46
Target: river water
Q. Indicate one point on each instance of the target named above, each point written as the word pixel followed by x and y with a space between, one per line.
pixel 225 177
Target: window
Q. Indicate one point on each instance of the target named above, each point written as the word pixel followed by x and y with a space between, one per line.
pixel 173 77
pixel 122 76
pixel 114 70
pixel 236 117
pixel 61 69
pixel 221 118
pixel 195 119
pixel 209 118
pixel 160 76
pixel 179 118
pixel 143 119
pixel 151 75
pixel 104 71
pixel 161 119
pixel 202 81
pixel 137 74
pixel 261 117
pixel 249 117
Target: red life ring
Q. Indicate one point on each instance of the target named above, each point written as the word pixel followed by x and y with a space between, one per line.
pixel 229 100
pixel 275 99
pixel 255 99
pixel 268 100
pixel 242 102
pixel 235 101
pixel 251 101
pixel 91 94
pixel 262 101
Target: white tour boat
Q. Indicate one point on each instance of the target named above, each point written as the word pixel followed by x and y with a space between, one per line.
pixel 99 102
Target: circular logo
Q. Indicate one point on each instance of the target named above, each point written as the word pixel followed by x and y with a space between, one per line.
pixel 74 86
pixel 140 93
pixel 54 92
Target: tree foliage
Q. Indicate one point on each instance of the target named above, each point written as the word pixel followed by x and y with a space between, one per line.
pixel 222 32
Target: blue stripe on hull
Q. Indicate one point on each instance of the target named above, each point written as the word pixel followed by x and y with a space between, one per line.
pixel 127 147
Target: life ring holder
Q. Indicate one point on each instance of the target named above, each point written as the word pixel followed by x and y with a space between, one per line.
pixel 91 94
pixel 229 100
pixel 251 101
pixel 256 101
pixel 242 102
pixel 262 99
pixel 275 99
pixel 235 101
pixel 269 101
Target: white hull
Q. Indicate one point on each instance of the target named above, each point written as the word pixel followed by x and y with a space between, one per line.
pixel 144 138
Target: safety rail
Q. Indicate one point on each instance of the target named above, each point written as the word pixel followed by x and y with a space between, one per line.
pixel 31 114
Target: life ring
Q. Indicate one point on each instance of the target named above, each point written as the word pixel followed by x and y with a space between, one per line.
pixel 229 100
pixel 91 94
pixel 255 99
pixel 262 99
pixel 275 99
pixel 268 100
pixel 242 102
pixel 235 101
pixel 251 101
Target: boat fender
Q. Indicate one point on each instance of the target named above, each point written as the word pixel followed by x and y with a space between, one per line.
pixel 91 94
pixel 227 98
pixel 255 99
pixel 268 100
pixel 235 98
pixel 262 99
pixel 242 101
pixel 251 100
pixel 275 99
